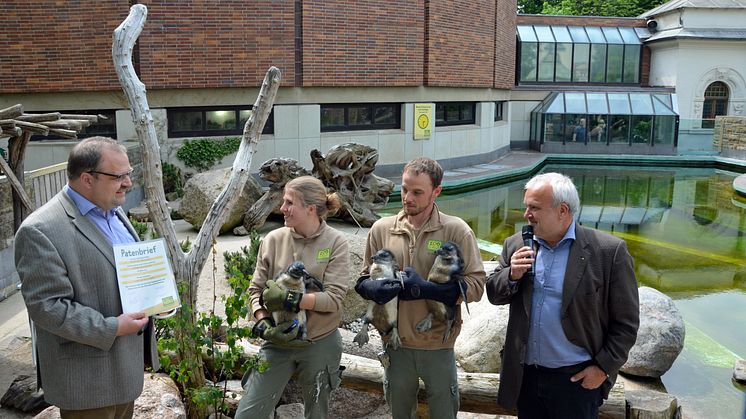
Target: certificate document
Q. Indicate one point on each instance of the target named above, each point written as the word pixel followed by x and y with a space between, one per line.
pixel 146 280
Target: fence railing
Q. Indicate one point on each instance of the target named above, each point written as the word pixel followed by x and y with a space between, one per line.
pixel 47 181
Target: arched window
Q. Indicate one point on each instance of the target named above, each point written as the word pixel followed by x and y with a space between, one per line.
pixel 716 103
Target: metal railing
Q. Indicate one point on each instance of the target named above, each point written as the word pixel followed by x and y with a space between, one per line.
pixel 47 181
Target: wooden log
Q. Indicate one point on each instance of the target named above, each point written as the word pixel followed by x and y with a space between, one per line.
pixel 16 185
pixel 478 391
pixel 33 127
pixel 7 123
pixel 67 133
pixel 71 124
pixel 91 118
pixel 12 132
pixel 17 154
pixel 11 112
pixel 39 117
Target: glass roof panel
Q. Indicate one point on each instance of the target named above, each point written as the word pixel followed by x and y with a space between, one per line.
pixel 641 104
pixel 618 103
pixel 597 103
pixel 612 35
pixel 575 103
pixel 561 34
pixel 629 36
pixel 544 33
pixel 595 35
pixel 557 106
pixel 578 34
pixel 660 106
pixel 600 103
pixel 526 33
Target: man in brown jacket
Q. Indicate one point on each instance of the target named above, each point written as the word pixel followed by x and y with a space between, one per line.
pixel 413 236
pixel 574 308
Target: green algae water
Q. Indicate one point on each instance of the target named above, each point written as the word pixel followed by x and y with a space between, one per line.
pixel 686 230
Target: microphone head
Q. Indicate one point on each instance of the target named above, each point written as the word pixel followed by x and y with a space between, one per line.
pixel 527 232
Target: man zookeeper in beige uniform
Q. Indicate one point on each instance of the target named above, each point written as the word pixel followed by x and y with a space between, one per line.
pixel 413 235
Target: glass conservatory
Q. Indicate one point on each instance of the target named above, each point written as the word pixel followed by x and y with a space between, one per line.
pixel 601 120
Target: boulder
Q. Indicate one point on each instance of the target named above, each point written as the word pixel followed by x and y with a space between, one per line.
pixel 482 336
pixel 649 404
pixel 353 305
pixel 739 371
pixel 203 188
pixel 23 395
pixel 660 338
pixel 160 398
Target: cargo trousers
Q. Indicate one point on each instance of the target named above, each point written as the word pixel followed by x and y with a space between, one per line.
pixel 436 368
pixel 318 373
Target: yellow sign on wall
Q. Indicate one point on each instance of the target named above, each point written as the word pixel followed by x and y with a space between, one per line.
pixel 423 126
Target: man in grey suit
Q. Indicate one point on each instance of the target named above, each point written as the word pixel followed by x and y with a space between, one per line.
pixel 574 308
pixel 91 356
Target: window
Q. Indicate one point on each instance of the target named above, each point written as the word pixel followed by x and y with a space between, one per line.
pixel 716 103
pixel 211 121
pixel 499 109
pixel 454 113
pixel 578 54
pixel 105 127
pixel 360 116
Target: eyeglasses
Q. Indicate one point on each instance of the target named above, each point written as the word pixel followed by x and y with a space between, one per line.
pixel 118 178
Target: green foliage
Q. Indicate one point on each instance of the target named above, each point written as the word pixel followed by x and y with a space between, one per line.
pixel 618 8
pixel 210 329
pixel 140 228
pixel 173 181
pixel 204 153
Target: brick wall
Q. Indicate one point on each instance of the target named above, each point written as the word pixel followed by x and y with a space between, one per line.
pixel 201 44
pixel 580 21
pixel 58 46
pixel 505 44
pixel 460 43
pixel 362 43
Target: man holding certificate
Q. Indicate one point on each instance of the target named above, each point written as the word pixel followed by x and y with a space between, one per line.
pixel 91 357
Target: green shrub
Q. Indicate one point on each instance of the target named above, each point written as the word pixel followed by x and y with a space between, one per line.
pixel 172 179
pixel 204 153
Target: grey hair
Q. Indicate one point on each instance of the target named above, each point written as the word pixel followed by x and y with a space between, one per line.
pixel 563 189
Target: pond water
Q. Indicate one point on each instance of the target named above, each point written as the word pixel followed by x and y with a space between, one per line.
pixel 686 230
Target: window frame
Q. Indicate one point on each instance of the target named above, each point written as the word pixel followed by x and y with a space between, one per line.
pixel 461 120
pixel 711 102
pixel 346 126
pixel 499 113
pixel 204 132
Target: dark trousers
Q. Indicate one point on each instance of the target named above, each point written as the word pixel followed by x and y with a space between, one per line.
pixel 548 393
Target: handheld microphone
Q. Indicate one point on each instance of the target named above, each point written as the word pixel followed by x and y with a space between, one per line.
pixel 527 232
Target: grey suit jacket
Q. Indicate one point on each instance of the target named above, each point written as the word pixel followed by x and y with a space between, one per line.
pixel 600 307
pixel 70 288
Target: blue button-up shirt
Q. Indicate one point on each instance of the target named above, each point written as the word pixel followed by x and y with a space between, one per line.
pixel 547 344
pixel 108 222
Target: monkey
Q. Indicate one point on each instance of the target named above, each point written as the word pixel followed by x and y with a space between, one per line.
pixel 382 316
pixel 448 267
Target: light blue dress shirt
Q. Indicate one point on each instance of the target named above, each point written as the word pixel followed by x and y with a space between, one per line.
pixel 108 222
pixel 547 344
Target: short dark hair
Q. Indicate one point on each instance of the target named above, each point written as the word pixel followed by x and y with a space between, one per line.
pixel 427 166
pixel 86 155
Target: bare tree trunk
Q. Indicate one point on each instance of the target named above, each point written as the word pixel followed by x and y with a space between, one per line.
pixel 17 154
pixel 186 266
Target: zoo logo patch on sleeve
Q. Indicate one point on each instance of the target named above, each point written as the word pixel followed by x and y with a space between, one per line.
pixel 323 255
pixel 433 245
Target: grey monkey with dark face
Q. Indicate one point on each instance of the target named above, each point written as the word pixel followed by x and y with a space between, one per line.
pixel 382 316
pixel 296 278
pixel 447 268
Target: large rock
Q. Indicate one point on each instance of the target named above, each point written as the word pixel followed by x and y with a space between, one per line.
pixel 202 190
pixel 160 399
pixel 482 336
pixel 739 371
pixel 23 395
pixel 649 404
pixel 353 305
pixel 660 338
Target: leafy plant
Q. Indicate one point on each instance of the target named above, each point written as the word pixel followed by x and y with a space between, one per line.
pixel 173 181
pixel 204 153
pixel 140 228
pixel 211 331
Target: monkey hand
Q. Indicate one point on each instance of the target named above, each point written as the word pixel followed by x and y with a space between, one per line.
pixel 278 298
pixel 380 291
pixel 416 288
